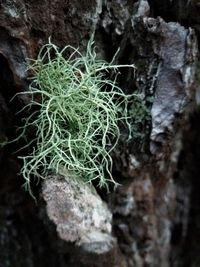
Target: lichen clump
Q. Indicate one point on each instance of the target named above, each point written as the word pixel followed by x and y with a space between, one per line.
pixel 78 110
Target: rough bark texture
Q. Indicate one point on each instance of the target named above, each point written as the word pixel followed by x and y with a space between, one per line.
pixel 153 218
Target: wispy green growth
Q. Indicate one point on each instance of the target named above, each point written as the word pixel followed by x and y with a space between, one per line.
pixel 3 142
pixel 77 117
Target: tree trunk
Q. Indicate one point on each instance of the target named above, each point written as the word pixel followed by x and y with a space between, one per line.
pixel 152 218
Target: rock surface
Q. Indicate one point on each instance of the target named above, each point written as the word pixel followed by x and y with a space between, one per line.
pixel 78 212
pixel 156 210
pixel 83 218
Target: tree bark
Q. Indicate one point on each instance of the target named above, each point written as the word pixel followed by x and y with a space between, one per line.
pixel 152 218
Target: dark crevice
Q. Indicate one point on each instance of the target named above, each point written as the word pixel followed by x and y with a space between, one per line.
pixel 176 11
pixel 7 84
pixel 191 254
pixel 36 33
pixel 186 228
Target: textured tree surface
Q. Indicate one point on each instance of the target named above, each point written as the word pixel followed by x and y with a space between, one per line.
pixel 153 218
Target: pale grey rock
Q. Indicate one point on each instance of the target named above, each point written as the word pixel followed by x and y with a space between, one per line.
pixel 78 213
pixel 143 8
pixel 177 50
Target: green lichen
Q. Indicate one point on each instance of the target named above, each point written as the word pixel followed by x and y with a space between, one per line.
pixel 78 111
pixel 3 141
